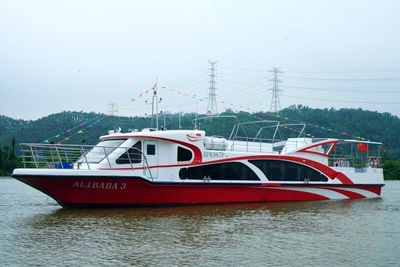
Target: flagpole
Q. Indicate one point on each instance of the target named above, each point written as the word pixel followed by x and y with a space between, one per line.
pixel 152 111
pixel 155 90
pixel 156 105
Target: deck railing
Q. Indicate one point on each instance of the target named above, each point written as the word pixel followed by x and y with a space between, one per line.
pixel 354 161
pixel 66 156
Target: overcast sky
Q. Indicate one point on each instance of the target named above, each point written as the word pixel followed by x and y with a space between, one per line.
pixel 83 55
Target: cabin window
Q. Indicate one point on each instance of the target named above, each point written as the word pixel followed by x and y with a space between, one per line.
pixel 133 155
pixel 184 154
pixel 151 150
pixel 101 150
pixel 278 170
pixel 275 171
pixel 221 171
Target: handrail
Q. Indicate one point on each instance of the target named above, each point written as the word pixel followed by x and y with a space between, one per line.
pixel 234 134
pixel 238 126
pixel 214 117
pixel 57 155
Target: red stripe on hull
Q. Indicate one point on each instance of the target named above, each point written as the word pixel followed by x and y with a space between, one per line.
pixel 348 194
pixel 138 192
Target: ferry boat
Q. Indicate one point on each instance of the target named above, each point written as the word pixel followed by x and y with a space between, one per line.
pixel 183 167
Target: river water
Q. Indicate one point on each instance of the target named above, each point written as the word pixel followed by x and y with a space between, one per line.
pixel 34 230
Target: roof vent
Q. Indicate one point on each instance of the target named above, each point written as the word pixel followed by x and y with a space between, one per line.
pixel 149 129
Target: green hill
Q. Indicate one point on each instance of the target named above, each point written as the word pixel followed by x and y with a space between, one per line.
pixel 75 127
pixel 8 124
pixel 81 127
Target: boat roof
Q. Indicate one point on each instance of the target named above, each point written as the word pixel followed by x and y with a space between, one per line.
pixel 359 141
pixel 153 133
pixel 176 134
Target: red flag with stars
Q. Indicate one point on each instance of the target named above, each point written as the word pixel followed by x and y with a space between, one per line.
pixel 362 147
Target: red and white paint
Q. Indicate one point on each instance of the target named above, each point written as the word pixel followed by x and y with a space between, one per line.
pixel 109 184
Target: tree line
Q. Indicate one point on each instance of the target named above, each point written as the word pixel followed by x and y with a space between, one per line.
pixel 8 159
pixel 57 127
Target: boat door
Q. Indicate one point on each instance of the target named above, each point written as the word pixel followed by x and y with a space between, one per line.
pixel 151 152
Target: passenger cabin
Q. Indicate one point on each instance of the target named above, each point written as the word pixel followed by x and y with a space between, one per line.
pixel 190 155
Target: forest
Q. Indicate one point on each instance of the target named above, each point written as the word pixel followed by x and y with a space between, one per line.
pixel 8 159
pixel 81 127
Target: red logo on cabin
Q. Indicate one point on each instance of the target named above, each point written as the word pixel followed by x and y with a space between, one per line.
pixel 193 138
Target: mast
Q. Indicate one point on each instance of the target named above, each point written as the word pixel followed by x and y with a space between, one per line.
pixel 154 104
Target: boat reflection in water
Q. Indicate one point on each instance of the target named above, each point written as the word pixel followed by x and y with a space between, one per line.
pixel 317 233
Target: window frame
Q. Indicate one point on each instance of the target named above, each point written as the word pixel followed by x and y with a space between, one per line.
pixel 129 157
pixel 304 173
pixel 101 145
pixel 153 150
pixel 184 149
pixel 219 172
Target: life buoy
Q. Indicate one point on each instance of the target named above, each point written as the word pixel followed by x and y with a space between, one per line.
pixel 373 162
pixel 339 163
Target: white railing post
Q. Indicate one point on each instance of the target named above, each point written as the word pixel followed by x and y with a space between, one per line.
pixel 84 156
pixel 33 156
pixel 59 157
pixel 147 164
pixel 129 157
pixel 105 153
pixel 66 155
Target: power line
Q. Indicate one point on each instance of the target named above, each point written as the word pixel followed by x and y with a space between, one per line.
pixel 189 77
pixel 240 82
pixel 343 79
pixel 323 71
pixel 343 90
pixel 247 92
pixel 345 101
pixel 349 72
pixel 244 69
pixel 241 75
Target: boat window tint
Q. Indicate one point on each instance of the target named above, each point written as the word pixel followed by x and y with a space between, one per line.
pixel 133 155
pixel 151 150
pixel 184 154
pixel 101 150
pixel 293 171
pixel 279 170
pixel 275 171
pixel 221 171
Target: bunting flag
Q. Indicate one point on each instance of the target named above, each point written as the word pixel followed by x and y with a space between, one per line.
pixel 241 108
pixel 81 131
pixel 318 126
pixel 70 132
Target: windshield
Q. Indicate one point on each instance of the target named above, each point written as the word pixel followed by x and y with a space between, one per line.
pixel 101 150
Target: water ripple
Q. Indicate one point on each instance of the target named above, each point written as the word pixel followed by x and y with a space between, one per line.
pixel 34 230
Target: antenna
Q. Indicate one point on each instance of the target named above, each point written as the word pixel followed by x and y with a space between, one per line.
pixel 212 97
pixel 154 104
pixel 275 101
pixel 179 120
pixel 179 117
